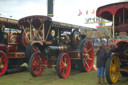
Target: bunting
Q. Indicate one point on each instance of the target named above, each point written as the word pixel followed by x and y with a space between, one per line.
pixel 93 11
pixel 87 12
pixel 80 13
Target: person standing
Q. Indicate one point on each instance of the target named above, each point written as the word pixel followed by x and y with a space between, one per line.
pixel 113 49
pixel 101 61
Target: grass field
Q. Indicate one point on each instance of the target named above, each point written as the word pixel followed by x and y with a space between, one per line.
pixel 49 77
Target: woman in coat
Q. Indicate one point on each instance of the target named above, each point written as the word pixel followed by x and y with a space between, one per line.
pixel 101 61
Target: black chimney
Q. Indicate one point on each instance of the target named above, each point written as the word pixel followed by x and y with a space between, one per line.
pixel 50 8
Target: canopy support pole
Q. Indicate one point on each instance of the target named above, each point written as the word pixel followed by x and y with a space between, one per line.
pixel 30 32
pixel 43 33
pixel 113 26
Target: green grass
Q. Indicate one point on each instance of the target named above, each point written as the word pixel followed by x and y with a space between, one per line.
pixel 49 77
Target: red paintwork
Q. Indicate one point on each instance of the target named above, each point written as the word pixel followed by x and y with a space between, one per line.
pixel 111 9
pixel 88 49
pixel 25 22
pixel 15 37
pixel 64 70
pixel 74 54
pixel 16 55
pixel 119 40
pixel 4 62
pixel 36 21
pixel 40 42
pixel 37 62
pixel 3 47
pixel 12 48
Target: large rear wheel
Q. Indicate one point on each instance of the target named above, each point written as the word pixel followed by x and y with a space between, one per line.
pixel 3 63
pixel 112 75
pixel 36 62
pixel 63 65
pixel 87 56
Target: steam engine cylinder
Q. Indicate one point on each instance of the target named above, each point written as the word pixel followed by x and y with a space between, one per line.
pixel 52 49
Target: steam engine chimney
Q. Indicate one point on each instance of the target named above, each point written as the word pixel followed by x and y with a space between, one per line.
pixel 50 8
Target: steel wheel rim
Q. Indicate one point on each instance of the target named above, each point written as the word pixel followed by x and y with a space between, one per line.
pixel 88 56
pixel 37 64
pixel 114 74
pixel 64 66
pixel 3 64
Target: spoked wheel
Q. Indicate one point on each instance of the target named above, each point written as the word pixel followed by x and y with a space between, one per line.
pixel 112 64
pixel 87 56
pixel 124 74
pixel 3 63
pixel 30 49
pixel 36 62
pixel 63 65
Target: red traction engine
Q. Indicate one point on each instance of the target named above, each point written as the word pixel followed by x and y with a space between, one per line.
pixel 12 51
pixel 57 45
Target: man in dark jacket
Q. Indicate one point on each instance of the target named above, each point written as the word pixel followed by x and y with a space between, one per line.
pixel 113 49
pixel 101 61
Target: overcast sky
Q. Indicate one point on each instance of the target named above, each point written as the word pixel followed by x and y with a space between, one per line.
pixel 64 10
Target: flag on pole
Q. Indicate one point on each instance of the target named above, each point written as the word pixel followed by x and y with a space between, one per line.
pixel 93 11
pixel 80 13
pixel 87 12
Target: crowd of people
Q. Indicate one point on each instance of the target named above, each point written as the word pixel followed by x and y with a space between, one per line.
pixel 102 57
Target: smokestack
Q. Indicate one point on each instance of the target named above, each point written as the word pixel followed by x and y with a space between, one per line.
pixel 50 8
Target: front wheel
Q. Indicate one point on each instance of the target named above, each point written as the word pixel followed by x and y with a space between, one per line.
pixel 63 65
pixel 3 63
pixel 30 49
pixel 112 75
pixel 36 62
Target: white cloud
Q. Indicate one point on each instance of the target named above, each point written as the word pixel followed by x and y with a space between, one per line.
pixel 64 10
